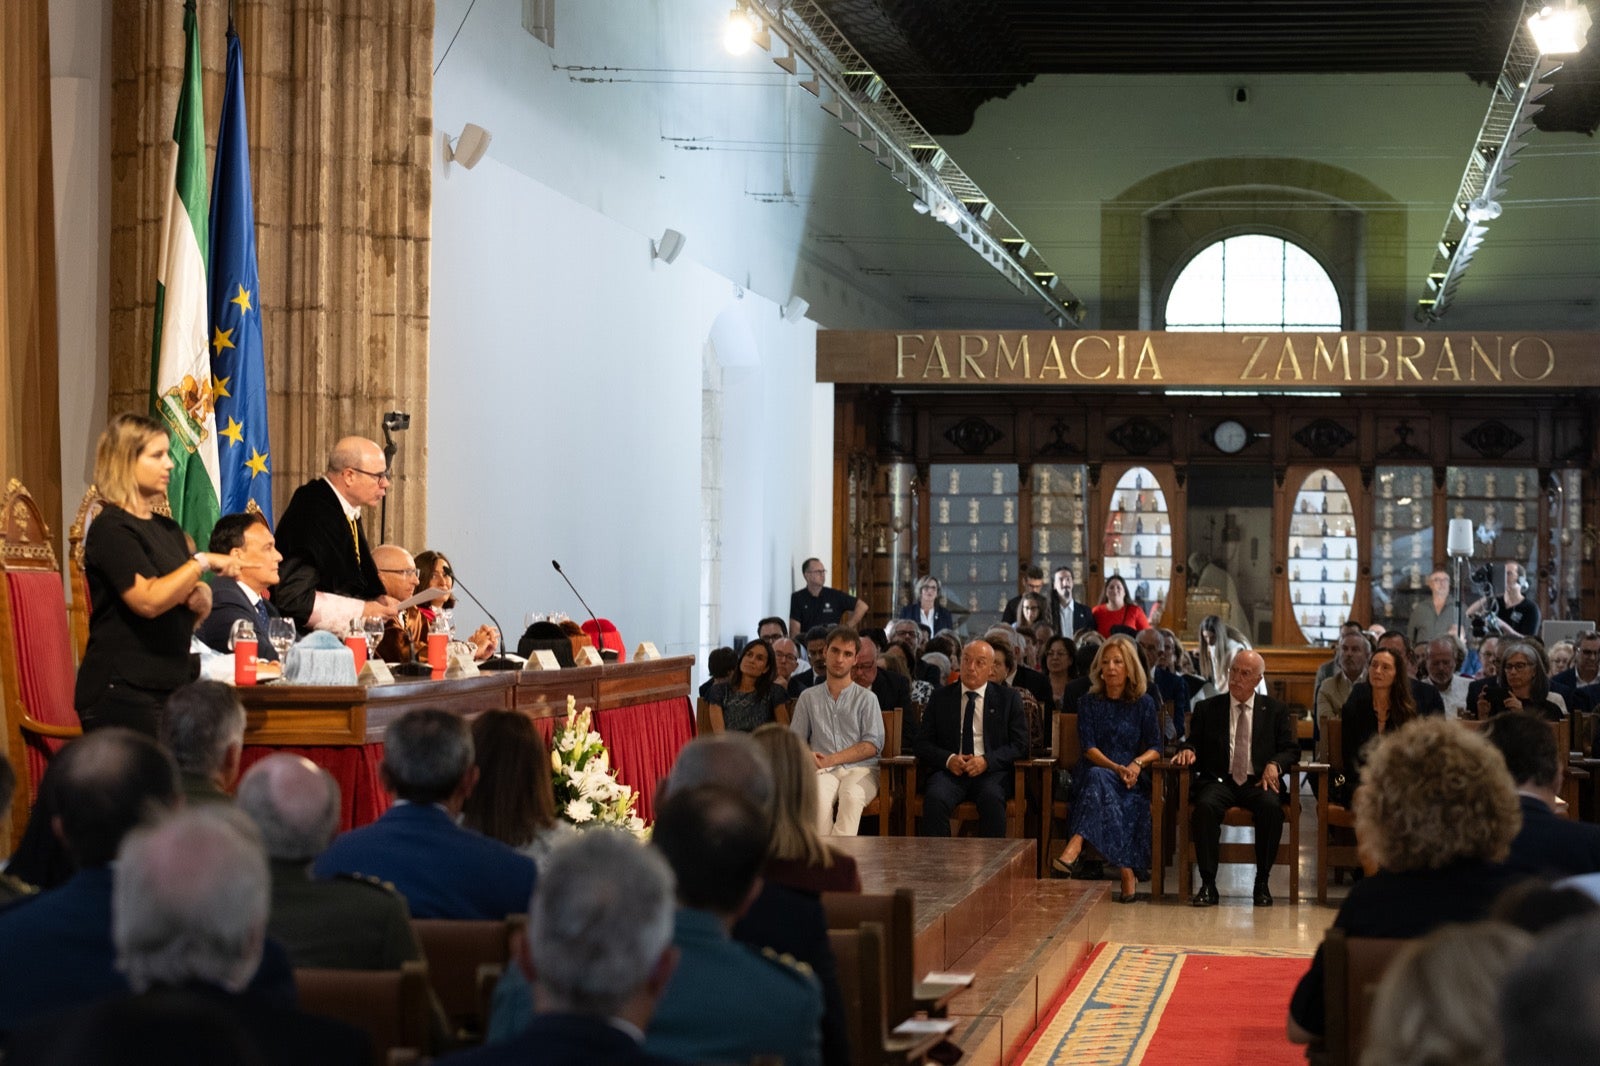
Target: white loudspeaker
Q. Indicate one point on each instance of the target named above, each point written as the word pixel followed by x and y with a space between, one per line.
pixel 1460 537
pixel 469 147
pixel 795 309
pixel 669 247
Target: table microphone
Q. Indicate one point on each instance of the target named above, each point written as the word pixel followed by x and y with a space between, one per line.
pixel 606 654
pixel 496 661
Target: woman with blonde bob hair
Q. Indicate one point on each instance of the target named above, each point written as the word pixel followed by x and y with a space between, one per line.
pixel 145 590
pixel 1435 1004
pixel 798 858
pixel 1437 811
pixel 1120 735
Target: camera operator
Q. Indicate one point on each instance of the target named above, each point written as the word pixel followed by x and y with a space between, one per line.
pixel 1514 615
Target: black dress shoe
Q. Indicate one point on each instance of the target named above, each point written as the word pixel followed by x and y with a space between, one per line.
pixel 1263 897
pixel 1204 896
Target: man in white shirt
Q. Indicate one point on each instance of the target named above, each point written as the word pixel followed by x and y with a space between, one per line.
pixel 1068 615
pixel 842 723
pixel 1445 655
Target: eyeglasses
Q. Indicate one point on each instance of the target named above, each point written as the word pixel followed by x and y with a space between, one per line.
pixel 381 475
pixel 409 571
pixel 1516 664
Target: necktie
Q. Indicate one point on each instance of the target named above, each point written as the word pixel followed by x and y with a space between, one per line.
pixel 355 539
pixel 264 615
pixel 1240 765
pixel 967 721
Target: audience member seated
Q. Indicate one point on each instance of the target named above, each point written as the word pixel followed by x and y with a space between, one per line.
pixel 1059 652
pixel 405 636
pixel 514 801
pixel 1350 666
pixel 1423 694
pixel 749 698
pixel 1434 1004
pixel 1006 672
pixel 11 888
pixel 55 948
pixel 1548 845
pixel 1119 734
pixel 1534 906
pixel 435 572
pixel 1525 685
pixel 1560 655
pixel 928 608
pixel 1239 744
pixel 1165 685
pixel 1032 611
pixel 40 860
pixel 1547 1015
pixel 344 923
pixel 1443 663
pixel 203 727
pixel 189 906
pixel 971 733
pixel 719 669
pixel 798 857
pixel 1379 705
pixel 443 870
pixel 1437 812
pixel 892 690
pixel 816 639
pixel 1116 608
pixel 786 662
pixel 1032 582
pixel 841 723
pixel 1017 674
pixel 598 955
pixel 726 1002
pixel 1585 668
pixel 246 537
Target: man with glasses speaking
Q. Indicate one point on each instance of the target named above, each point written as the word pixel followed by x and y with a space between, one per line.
pixel 329 578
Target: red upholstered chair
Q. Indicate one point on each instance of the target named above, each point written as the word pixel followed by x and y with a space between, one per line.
pixel 77 580
pixel 36 662
pixel 608 638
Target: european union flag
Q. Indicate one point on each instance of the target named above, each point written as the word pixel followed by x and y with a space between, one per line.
pixel 239 374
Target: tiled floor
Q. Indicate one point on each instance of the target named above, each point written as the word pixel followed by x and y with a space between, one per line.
pixel 1235 922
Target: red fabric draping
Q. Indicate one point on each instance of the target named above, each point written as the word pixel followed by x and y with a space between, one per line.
pixel 44 659
pixel 644 740
pixel 362 797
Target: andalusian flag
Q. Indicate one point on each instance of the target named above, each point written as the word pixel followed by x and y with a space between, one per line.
pixel 237 367
pixel 180 380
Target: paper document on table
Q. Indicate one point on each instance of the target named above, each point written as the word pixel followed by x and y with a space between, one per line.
pixel 923 1026
pixel 940 977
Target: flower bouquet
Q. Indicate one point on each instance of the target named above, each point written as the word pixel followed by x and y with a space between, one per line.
pixel 587 791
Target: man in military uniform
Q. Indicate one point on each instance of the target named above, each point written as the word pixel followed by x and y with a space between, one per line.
pixel 726 1001
pixel 10 887
pixel 347 923
pixel 202 725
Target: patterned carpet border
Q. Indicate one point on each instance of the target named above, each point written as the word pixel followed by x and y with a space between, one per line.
pixel 1111 1014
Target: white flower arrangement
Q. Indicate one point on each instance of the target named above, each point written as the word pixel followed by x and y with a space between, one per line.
pixel 587 791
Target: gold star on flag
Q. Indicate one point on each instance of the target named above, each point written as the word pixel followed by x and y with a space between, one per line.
pixel 235 431
pixel 223 339
pixel 243 300
pixel 219 387
pixel 256 464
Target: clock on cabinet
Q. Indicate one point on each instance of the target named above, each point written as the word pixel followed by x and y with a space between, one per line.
pixel 1229 437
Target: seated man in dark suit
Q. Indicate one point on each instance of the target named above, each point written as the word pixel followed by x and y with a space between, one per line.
pixel 244 536
pixel 1548 845
pixel 971 733
pixel 1170 686
pixel 891 689
pixel 1239 743
pixel 598 953
pixel 443 870
pixel 190 898
pixel 55 947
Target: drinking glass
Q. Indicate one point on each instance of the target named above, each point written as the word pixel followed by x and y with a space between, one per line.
pixel 372 628
pixel 280 634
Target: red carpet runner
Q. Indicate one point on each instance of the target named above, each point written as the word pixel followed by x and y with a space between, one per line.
pixel 1160 1006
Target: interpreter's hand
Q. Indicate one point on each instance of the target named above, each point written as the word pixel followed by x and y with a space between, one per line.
pixel 1184 758
pixel 226 565
pixel 199 601
pixel 382 607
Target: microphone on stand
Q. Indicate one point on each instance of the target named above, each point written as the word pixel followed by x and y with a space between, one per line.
pixel 496 661
pixel 606 654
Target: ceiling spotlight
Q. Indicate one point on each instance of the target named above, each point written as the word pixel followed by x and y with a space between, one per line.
pixel 919 207
pixel 946 212
pixel 1483 210
pixel 669 247
pixel 794 309
pixel 1561 30
pixel 468 148
pixel 739 34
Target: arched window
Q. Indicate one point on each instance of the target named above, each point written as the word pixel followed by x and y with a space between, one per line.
pixel 1253 282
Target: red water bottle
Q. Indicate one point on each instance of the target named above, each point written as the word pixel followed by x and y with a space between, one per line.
pixel 438 651
pixel 244 653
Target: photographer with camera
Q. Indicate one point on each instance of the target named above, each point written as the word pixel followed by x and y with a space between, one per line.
pixel 1512 615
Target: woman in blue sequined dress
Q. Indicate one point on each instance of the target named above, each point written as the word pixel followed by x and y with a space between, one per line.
pixel 1120 736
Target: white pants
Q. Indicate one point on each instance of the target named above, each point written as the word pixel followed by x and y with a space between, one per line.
pixel 853 787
